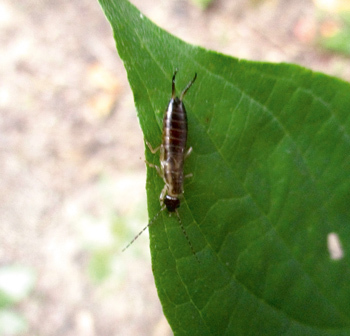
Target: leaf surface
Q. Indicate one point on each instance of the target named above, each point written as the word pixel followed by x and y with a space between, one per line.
pixel 270 186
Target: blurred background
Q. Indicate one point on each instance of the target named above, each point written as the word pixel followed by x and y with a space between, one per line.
pixel 72 177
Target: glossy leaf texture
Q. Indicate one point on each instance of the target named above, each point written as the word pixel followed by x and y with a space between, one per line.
pixel 270 189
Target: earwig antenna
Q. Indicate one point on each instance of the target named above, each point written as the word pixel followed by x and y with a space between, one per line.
pixel 149 224
pixel 185 234
pixel 188 86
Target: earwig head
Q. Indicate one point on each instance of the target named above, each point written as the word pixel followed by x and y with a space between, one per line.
pixel 171 203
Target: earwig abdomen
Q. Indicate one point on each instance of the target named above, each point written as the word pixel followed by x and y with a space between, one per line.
pixel 174 146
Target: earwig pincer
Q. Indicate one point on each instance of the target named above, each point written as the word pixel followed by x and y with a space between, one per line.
pixel 172 157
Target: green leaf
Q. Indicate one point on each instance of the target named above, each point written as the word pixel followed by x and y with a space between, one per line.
pixel 269 194
pixel 203 4
pixel 11 323
pixel 339 41
pixel 16 283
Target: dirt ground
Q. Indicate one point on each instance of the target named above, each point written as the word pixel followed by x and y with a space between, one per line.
pixel 72 177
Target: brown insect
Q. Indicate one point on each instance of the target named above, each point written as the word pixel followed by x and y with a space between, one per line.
pixel 172 157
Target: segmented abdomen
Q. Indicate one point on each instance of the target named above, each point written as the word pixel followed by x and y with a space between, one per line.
pixel 174 146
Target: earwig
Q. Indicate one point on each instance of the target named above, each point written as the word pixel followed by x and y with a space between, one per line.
pixel 172 157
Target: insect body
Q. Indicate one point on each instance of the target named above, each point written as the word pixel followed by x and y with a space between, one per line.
pixel 172 156
pixel 173 149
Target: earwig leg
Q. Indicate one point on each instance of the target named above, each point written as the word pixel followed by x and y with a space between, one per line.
pixel 159 171
pixel 162 194
pixel 155 150
pixel 188 153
